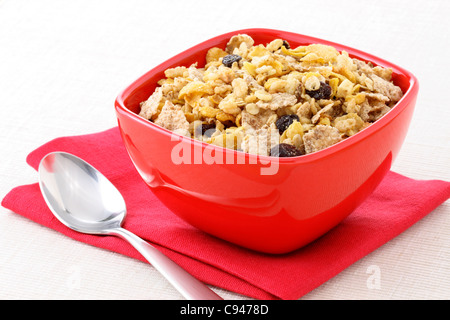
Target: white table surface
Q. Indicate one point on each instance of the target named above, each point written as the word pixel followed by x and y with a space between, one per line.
pixel 62 63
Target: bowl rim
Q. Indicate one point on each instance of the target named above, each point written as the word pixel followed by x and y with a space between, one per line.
pixel 375 126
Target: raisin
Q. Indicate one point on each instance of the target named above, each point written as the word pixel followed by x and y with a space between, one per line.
pixel 228 60
pixel 285 121
pixel 324 92
pixel 285 150
pixel 206 129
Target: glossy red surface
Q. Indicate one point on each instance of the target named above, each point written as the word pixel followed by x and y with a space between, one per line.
pixel 236 196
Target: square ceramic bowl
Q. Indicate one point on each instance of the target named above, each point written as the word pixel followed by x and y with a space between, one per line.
pixel 267 204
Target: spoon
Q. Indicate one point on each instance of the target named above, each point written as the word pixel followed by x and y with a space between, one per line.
pixel 86 201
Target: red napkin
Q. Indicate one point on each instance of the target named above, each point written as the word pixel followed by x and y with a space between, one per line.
pixel 395 205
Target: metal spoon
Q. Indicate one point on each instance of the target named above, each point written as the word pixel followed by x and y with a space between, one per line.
pixel 85 201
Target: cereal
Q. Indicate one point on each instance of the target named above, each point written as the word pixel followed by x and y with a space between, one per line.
pixel 349 124
pixel 213 55
pixel 272 99
pixel 277 101
pixel 151 105
pixel 173 118
pixel 252 108
pixel 321 137
pixel 261 141
pixel 237 40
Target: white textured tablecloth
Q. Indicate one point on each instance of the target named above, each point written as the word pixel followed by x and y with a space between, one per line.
pixel 62 63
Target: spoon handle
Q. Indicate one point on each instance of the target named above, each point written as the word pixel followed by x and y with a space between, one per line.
pixel 185 283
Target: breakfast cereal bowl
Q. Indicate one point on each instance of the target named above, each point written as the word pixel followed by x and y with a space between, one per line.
pixel 258 201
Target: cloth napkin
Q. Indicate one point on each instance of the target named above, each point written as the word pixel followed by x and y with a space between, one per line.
pixel 395 205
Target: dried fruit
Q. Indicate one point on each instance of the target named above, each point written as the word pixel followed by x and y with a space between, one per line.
pixel 286 44
pixel 206 129
pixel 285 150
pixel 228 60
pixel 285 121
pixel 323 92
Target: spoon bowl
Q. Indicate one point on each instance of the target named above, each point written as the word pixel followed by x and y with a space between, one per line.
pixel 79 195
pixel 83 199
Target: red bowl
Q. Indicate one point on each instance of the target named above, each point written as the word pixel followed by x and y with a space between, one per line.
pixel 271 205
